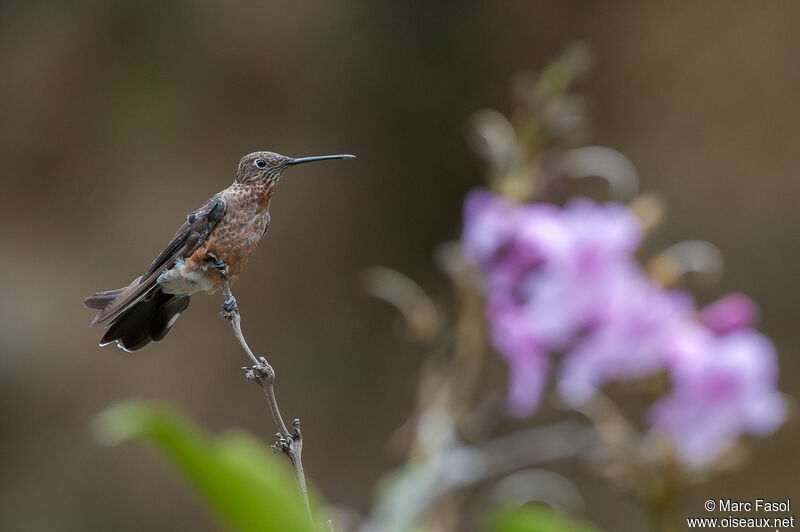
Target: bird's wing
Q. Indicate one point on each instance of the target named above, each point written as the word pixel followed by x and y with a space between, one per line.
pixel 189 237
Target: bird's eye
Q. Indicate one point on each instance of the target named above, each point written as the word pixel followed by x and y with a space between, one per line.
pixel 261 163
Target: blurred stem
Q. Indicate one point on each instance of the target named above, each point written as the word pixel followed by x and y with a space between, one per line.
pixel 457 386
pixel 663 505
pixel 470 346
pixel 288 443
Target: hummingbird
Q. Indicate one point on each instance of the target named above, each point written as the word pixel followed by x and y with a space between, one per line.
pixel 207 253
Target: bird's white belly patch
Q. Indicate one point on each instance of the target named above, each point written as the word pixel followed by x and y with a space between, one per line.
pixel 177 282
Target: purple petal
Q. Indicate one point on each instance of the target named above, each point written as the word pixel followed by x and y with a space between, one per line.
pixel 734 311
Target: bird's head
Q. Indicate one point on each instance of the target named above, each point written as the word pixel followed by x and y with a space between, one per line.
pixel 266 167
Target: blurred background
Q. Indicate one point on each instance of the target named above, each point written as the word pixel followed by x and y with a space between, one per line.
pixel 117 118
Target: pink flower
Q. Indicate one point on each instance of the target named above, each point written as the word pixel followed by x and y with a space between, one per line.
pixel 565 280
pixel 734 311
pixel 547 273
pixel 724 386
pixel 528 380
pixel 629 337
pixel 488 224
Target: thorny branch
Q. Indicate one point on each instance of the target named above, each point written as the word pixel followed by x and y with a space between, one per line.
pixel 261 373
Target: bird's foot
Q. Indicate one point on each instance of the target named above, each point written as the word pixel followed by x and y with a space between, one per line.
pixel 230 305
pixel 220 265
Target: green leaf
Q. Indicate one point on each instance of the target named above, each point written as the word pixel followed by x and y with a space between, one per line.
pixel 535 519
pixel 250 489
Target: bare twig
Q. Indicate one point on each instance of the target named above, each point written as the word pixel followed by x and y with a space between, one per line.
pixel 261 373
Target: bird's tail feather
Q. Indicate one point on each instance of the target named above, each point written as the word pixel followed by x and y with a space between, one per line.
pixel 150 319
pixel 101 300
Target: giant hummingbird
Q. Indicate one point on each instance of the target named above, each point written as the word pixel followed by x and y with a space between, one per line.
pixel 207 253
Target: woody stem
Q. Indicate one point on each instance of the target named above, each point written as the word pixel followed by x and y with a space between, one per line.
pixel 289 443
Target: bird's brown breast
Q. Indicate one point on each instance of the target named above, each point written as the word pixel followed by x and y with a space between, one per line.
pixel 235 237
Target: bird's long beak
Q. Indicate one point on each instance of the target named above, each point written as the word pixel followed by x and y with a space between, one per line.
pixel 301 160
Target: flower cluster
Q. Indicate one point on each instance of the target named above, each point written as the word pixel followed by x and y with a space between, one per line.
pixel 565 281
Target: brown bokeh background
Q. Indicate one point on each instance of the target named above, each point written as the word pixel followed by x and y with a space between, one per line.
pixel 117 118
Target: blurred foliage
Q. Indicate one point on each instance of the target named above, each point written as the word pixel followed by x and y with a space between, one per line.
pixel 535 519
pixel 251 490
